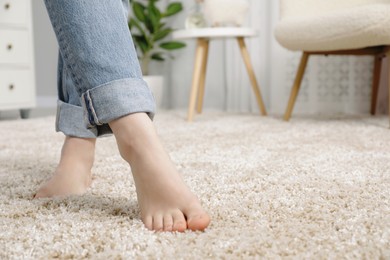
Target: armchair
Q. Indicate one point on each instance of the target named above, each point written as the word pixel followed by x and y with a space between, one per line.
pixel 335 27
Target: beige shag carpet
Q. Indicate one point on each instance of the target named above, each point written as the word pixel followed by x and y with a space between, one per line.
pixel 313 188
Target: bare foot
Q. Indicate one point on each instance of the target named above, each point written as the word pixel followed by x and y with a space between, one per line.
pixel 165 201
pixel 73 174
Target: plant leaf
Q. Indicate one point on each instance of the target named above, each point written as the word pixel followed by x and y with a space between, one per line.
pixel 142 42
pixel 135 23
pixel 172 45
pixel 157 56
pixel 159 35
pixel 173 8
pixel 154 16
pixel 139 11
pixel 161 25
pixel 148 24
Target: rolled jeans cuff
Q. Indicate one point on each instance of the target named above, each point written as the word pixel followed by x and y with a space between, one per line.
pixel 115 99
pixel 70 121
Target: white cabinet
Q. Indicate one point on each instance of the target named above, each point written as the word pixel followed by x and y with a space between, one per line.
pixel 17 73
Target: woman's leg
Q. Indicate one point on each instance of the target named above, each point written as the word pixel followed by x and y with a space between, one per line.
pixel 96 46
pixel 73 174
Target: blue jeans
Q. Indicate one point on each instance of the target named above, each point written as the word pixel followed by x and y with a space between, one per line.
pixel 99 77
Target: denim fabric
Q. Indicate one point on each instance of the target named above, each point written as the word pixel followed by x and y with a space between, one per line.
pixel 99 77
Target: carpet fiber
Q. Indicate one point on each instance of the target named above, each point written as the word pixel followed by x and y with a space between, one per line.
pixel 311 188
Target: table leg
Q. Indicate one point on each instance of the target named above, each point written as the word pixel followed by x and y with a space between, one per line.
pixel 196 77
pixel 203 76
pixel 252 77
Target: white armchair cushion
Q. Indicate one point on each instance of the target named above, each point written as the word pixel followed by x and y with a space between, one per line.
pixel 289 8
pixel 321 25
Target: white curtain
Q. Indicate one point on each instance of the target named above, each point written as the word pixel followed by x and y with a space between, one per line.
pixel 331 84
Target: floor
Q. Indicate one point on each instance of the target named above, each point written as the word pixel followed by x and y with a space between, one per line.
pixel 313 188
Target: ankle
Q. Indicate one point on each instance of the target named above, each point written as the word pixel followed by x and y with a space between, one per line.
pixel 135 134
pixel 78 165
pixel 79 151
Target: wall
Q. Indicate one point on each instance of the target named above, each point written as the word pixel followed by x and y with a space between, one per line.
pixel 46 52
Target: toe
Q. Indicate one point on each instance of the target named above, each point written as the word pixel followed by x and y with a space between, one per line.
pixel 148 222
pixel 168 222
pixel 42 193
pixel 198 220
pixel 179 222
pixel 158 224
pixel 37 195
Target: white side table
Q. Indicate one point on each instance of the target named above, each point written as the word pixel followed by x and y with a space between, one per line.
pixel 203 36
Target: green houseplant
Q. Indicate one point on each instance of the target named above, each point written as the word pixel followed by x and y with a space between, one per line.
pixel 149 28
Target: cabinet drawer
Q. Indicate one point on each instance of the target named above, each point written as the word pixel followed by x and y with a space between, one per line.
pixel 16 86
pixel 14 12
pixel 14 47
